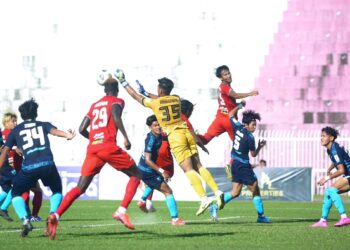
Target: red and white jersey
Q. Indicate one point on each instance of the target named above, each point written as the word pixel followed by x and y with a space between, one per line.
pixel 103 130
pixel 226 103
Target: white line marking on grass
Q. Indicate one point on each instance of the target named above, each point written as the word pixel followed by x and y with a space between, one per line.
pixel 116 224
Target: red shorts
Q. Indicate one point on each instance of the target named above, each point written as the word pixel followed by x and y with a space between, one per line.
pixel 220 125
pixel 117 158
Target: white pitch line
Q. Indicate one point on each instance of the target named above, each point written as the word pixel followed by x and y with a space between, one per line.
pixel 114 224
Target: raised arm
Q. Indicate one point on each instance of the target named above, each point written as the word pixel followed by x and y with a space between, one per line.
pixel 119 74
pixel 233 112
pixel 143 92
pixel 235 95
pixel 117 117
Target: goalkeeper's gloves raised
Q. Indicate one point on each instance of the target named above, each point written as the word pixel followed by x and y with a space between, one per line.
pixel 141 89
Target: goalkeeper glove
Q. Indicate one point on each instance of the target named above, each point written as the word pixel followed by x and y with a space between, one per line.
pixel 141 89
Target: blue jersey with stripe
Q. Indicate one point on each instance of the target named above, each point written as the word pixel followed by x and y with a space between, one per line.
pixel 32 138
pixel 152 145
pixel 243 143
pixel 339 155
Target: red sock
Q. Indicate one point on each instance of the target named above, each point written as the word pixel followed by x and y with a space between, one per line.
pixel 68 199
pixel 130 191
pixel 150 196
pixel 37 200
pixel 25 197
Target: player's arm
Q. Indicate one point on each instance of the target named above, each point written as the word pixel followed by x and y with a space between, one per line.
pixel 83 128
pixel 233 112
pixel 143 92
pixel 199 142
pixel 4 153
pixel 330 168
pixel 235 95
pixel 119 74
pixel 339 172
pixel 261 144
pixel 69 135
pixel 154 166
pixel 117 117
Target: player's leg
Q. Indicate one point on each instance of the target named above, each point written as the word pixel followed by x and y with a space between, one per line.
pixel 171 204
pixel 258 203
pixel 338 187
pixel 226 123
pixel 5 205
pixel 215 129
pixel 209 180
pixel 326 207
pixel 148 191
pixel 21 183
pixel 37 201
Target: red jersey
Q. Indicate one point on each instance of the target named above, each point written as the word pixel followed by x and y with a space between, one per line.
pixel 165 159
pixel 17 159
pixel 226 103
pixel 103 130
pixel 189 125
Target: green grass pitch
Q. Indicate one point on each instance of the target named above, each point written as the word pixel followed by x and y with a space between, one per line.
pixel 89 225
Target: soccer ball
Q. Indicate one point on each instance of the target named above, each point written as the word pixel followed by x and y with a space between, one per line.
pixel 106 76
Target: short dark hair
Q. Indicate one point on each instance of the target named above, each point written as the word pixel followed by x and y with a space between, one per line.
pixel 166 84
pixel 29 109
pixel 220 69
pixel 249 116
pixel 150 120
pixel 186 107
pixel 331 131
pixel 111 87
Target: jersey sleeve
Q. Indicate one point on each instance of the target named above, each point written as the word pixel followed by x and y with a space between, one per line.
pixel 119 102
pixel 149 102
pixel 338 156
pixel 11 140
pixel 225 89
pixel 235 123
pixel 251 142
pixel 149 142
pixel 47 127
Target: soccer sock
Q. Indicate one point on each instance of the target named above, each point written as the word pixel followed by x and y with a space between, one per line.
pixel 55 201
pixel 20 207
pixel 258 205
pixel 208 178
pixel 130 191
pixel 150 196
pixel 25 197
pixel 3 196
pixel 338 203
pixel 327 204
pixel 171 203
pixel 68 199
pixel 228 197
pixel 37 200
pixel 196 183
pixel 146 193
pixel 7 202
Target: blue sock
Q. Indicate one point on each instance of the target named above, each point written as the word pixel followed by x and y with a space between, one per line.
pixel 227 197
pixel 258 205
pixel 171 203
pixel 338 203
pixel 327 204
pixel 20 207
pixel 146 193
pixel 7 202
pixel 55 201
pixel 3 196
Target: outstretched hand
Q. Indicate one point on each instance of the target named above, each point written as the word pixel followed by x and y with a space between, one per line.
pixel 70 134
pixel 261 143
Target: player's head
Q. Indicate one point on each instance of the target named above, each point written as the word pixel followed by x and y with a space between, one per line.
pixel 153 124
pixel 262 163
pixel 328 135
pixel 9 120
pixel 165 86
pixel 111 88
pixel 249 120
pixel 186 108
pixel 29 110
pixel 223 73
